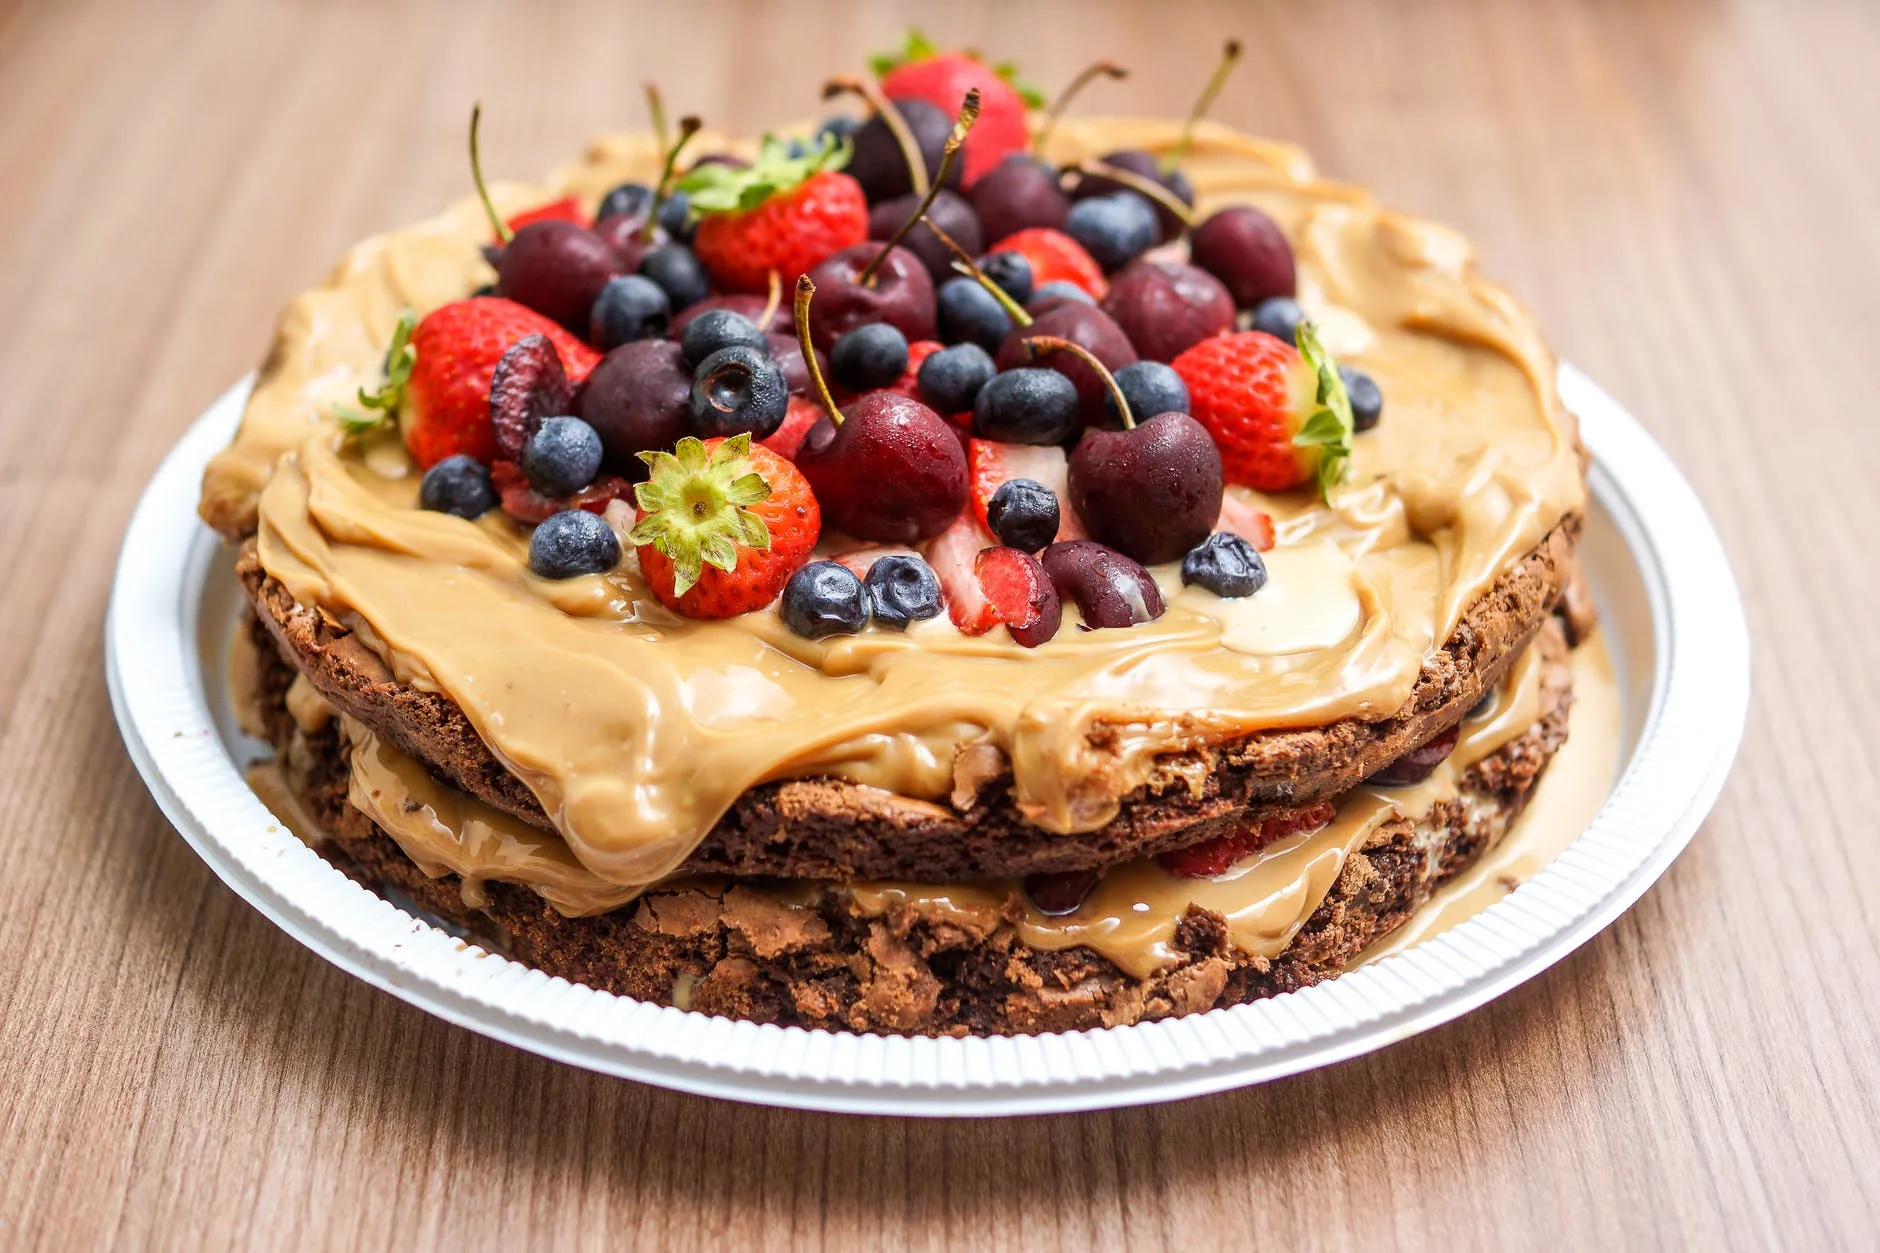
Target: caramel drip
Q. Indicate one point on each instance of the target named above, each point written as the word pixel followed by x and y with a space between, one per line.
pixel 636 730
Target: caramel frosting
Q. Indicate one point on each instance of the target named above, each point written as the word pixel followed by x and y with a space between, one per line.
pixel 637 729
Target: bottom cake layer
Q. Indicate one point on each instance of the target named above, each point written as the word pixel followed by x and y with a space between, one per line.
pixel 977 958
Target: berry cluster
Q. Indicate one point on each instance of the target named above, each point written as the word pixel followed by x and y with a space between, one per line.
pixel 1021 385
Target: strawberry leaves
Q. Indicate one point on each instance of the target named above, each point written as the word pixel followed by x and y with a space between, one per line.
pixel 730 189
pixel 382 402
pixel 1329 429
pixel 696 503
pixel 915 46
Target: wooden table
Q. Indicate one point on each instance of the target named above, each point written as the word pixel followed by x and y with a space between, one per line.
pixel 1687 193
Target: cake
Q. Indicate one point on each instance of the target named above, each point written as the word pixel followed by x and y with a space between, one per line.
pixel 897 674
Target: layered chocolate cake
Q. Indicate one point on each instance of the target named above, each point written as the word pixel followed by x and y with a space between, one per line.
pixel 895 580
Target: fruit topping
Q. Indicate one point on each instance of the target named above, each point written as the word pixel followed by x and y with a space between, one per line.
pixel 950 379
pixel 1367 401
pixel 897 147
pixel 381 403
pixel 1278 316
pixel 947 208
pixel 561 456
pixel 1419 763
pixel 969 314
pixel 459 485
pixel 1055 257
pixel 679 274
pixel 1278 414
pixel 630 307
pixel 902 589
pixel 1109 589
pixel 802 414
pixel 1226 565
pixel 1218 855
pixel 738 390
pixel 886 468
pixel 1019 194
pixel 788 355
pixel 824 598
pixel 1023 513
pixel 1167 307
pixel 1245 249
pixel 1060 892
pixel 1150 387
pixel 1009 272
pixel 922 72
pixel 572 543
pixel 899 292
pixel 722 524
pixel 869 356
pixel 1020 593
pixel 1026 406
pixel 1055 291
pixel 1086 327
pixel 527 386
pixel 526 505
pixel 1242 519
pixel 1114 229
pixel 784 213
pixel 952 555
pixel 749 307
pixel 716 329
pixel 992 465
pixel 637 398
pixel 1133 172
pixel 567 209
pixel 628 200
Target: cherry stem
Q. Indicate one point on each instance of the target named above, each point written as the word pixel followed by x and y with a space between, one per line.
pixel 688 127
pixel 805 289
pixel 771 301
pixel 962 126
pixel 891 117
pixel 657 108
pixel 1230 57
pixel 1056 111
pixel 1137 183
pixel 503 233
pixel 1037 345
pixel 964 263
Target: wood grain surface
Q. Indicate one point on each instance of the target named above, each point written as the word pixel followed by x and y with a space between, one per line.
pixel 1687 192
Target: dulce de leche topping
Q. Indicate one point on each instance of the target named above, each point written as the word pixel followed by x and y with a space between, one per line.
pixel 637 729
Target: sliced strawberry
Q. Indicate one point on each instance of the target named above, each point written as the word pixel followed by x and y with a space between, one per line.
pixel 1055 257
pixel 1020 592
pixel 909 382
pixel 952 554
pixel 1218 855
pixel 989 464
pixel 797 419
pixel 567 209
pixel 528 506
pixel 1242 519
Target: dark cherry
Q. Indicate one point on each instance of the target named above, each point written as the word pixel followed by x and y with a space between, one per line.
pixel 622 233
pixel 949 211
pixel 1059 892
pixel 557 269
pixel 1110 590
pixel 1246 250
pixel 1166 307
pixel 901 295
pixel 1019 192
pixel 892 472
pixel 529 384
pixel 1136 161
pixel 788 355
pixel 1086 326
pixel 1152 491
pixel 1419 763
pixel 637 399
pixel 745 305
pixel 877 162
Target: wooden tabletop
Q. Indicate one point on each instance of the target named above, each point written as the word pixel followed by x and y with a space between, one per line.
pixel 1688 194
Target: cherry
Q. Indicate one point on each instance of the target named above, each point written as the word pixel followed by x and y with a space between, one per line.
pixel 949 210
pixel 1246 250
pixel 1085 326
pixel 895 149
pixel 1150 491
pixel 1019 192
pixel 637 399
pixel 1166 307
pixel 527 386
pixel 637 229
pixel 1058 892
pixel 887 468
pixel 1110 590
pixel 1419 763
pixel 788 354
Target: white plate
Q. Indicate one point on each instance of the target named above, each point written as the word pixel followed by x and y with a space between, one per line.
pixel 1671 614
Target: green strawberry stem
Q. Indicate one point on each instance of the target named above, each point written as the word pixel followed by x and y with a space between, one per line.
pixel 697 507
pixel 962 126
pixel 890 117
pixel 1146 186
pixel 964 263
pixel 731 189
pixel 382 402
pixel 1084 77
pixel 656 107
pixel 805 291
pixel 503 233
pixel 1037 345
pixel 1230 57
pixel 1330 427
pixel 688 127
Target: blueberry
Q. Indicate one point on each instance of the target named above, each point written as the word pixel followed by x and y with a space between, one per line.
pixel 1023 513
pixel 562 456
pixel 1058 289
pixel 632 198
pixel 1011 272
pixel 571 543
pixel 675 217
pixel 678 272
pixel 951 378
pixel 715 329
pixel 902 589
pixel 738 389
pixel 1150 387
pixel 488 289
pixel 630 307
pixel 1226 565
pixel 1114 229
pixel 971 314
pixel 870 356
pixel 839 128
pixel 459 485
pixel 824 598
pixel 1029 405
pixel 1279 316
pixel 1367 402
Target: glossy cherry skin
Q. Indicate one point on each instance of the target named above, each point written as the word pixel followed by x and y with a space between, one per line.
pixel 1084 325
pixel 636 399
pixel 949 211
pixel 879 165
pixel 622 233
pixel 1019 192
pixel 1110 589
pixel 901 295
pixel 1152 492
pixel 1166 307
pixel 788 355
pixel 1246 250
pixel 893 471
pixel 557 268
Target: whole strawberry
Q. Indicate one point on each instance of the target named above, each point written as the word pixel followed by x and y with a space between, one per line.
pixel 722 524
pixel 1278 414
pixel 443 398
pixel 921 71
pixel 781 213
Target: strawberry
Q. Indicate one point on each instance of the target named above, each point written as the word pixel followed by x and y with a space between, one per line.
pixel 1218 855
pixel 797 419
pixel 443 400
pixel 909 382
pixel 567 209
pixel 1242 519
pixel 1055 257
pixel 990 464
pixel 526 505
pixel 1278 414
pixel 922 72
pixel 1020 593
pixel 952 554
pixel 781 213
pixel 722 524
